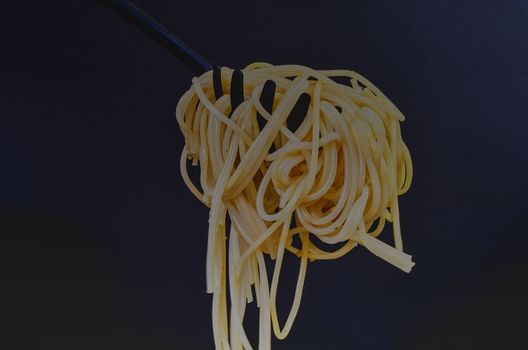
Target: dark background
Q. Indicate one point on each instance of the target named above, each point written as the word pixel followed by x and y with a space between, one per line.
pixel 103 247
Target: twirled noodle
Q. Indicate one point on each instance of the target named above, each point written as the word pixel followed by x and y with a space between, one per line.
pixel 336 178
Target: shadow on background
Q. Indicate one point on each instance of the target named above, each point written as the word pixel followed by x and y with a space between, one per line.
pixel 486 311
pixel 55 291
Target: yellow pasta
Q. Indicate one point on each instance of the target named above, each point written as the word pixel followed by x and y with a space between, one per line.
pixel 335 179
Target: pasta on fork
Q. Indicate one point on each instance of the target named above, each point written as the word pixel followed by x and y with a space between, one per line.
pixel 335 179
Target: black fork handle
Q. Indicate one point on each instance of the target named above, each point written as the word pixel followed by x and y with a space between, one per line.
pixel 148 25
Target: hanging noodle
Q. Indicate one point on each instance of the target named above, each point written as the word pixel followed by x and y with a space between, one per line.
pixel 335 179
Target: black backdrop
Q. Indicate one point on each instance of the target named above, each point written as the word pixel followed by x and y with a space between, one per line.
pixel 103 247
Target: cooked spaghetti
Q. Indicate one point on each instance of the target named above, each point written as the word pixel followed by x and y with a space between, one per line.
pixel 334 179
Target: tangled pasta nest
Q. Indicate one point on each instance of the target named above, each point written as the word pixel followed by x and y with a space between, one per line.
pixel 334 179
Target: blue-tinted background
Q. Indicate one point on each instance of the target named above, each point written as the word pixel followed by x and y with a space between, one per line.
pixel 103 247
